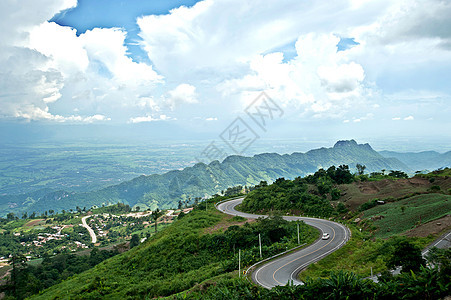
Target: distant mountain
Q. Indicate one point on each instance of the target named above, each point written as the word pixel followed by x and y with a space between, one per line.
pixel 426 160
pixel 200 180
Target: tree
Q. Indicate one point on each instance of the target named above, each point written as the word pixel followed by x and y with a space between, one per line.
pixel 343 175
pixel 360 169
pixel 398 174
pixel 137 208
pixel 406 255
pixel 181 215
pixel 441 259
pixel 19 263
pixel 135 240
pixel 155 215
pixel 180 205
pixel 10 216
pixel 335 194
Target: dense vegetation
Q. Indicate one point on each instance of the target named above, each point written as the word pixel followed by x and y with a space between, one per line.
pixel 197 256
pixel 423 283
pixel 362 255
pixel 164 191
pixel 62 233
pixel 182 255
pixel 28 279
pixel 17 237
pixel 309 195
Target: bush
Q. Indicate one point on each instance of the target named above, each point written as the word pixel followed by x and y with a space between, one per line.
pixel 434 188
pixel 335 194
pixel 368 205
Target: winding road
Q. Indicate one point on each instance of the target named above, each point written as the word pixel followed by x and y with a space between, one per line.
pixel 284 269
pixel 90 230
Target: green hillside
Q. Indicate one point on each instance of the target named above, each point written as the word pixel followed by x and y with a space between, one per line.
pixel 196 257
pixel 182 256
pixel 397 217
pixel 201 180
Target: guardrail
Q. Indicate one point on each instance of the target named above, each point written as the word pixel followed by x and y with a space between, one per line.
pixel 225 200
pixel 348 235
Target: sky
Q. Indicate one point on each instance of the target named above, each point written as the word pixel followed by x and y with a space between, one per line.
pixel 328 70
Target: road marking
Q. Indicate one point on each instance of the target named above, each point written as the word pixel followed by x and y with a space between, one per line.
pixel 273 275
pixel 228 208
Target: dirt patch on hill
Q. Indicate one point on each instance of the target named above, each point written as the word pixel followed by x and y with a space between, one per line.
pixel 368 188
pixel 226 223
pixel 433 227
pixel 34 222
pixel 357 193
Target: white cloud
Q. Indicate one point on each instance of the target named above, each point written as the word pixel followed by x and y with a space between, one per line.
pixel 218 35
pixel 189 43
pixel 319 79
pixel 183 93
pixel 106 45
pixel 221 54
pixel 42 63
pixel 409 118
pixel 211 119
pixel 35 113
pixel 61 45
pixel 396 118
pixel 150 119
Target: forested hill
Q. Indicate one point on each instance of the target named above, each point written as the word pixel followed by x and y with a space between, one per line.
pixel 201 180
pixel 426 160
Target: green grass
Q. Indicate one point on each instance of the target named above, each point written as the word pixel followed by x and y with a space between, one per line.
pixel 176 259
pixel 368 250
pixel 236 219
pixel 15 225
pixel 359 255
pixel 74 221
pixel 148 267
pixel 405 214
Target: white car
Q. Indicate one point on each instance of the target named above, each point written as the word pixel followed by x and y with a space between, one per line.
pixel 326 236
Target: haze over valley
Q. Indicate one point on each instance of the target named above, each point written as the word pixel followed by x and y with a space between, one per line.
pixel 225 149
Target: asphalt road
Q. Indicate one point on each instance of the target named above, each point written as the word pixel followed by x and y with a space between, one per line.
pixel 90 230
pixel 284 269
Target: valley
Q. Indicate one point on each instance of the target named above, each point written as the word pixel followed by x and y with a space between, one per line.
pixel 202 180
pixel 205 243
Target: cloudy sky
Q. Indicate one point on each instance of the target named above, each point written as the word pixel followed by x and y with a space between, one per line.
pixel 336 69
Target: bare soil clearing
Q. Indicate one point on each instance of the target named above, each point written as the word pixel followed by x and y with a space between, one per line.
pixel 34 222
pixel 226 223
pixel 434 227
pixel 355 194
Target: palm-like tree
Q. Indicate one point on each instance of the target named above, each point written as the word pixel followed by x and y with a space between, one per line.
pixel 155 215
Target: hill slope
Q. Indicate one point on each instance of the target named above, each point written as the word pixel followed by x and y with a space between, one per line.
pixel 426 160
pixel 166 190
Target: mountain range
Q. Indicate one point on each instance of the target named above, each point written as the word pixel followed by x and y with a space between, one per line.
pixel 419 161
pixel 166 190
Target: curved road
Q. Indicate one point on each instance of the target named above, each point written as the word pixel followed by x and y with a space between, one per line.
pixel 90 230
pixel 284 269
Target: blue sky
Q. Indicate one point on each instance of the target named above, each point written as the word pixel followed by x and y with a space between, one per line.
pixel 342 69
pixel 88 15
